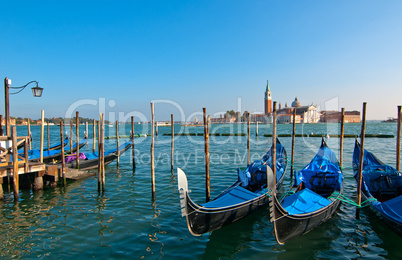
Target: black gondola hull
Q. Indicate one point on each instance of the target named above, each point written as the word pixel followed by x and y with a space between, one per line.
pixel 395 226
pixel 202 220
pixel 288 226
pixel 306 215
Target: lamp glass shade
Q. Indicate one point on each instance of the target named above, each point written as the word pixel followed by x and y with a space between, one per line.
pixel 37 91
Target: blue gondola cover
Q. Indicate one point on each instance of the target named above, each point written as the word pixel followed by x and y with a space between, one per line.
pixel 305 201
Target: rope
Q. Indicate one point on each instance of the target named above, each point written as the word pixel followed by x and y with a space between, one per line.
pixel 286 194
pixel 346 168
pixel 269 196
pixel 351 202
pixel 290 162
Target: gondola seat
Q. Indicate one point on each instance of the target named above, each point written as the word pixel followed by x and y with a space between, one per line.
pixel 303 202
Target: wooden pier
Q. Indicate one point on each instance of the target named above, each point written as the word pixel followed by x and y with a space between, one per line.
pixel 13 165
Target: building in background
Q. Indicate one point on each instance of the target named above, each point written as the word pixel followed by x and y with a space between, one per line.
pixel 336 116
pixel 304 114
pixel 268 100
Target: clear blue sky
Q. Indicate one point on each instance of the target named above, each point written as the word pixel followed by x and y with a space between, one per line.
pixel 201 54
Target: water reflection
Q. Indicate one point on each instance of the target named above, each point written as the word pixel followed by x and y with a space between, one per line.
pixel 101 205
pixel 153 237
pixel 241 233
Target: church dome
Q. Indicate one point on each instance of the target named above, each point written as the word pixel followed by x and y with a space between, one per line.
pixel 296 103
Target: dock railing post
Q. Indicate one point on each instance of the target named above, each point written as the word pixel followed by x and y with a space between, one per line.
pixel 361 157
pixel 71 135
pixel 26 166
pixel 7 105
pixel 62 153
pixel 94 136
pixel 29 133
pixel 41 134
pixel 15 163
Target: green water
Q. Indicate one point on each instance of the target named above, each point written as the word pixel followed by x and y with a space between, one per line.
pixel 124 222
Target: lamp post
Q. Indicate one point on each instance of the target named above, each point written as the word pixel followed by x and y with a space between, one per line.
pixel 36 91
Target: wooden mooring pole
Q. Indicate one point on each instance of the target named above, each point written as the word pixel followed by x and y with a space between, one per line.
pixel 398 140
pixel 132 142
pixel 152 150
pixel 293 144
pixel 42 129
pixel 26 165
pixel 94 135
pixel 342 135
pixel 248 139
pixel 7 105
pixel 71 135
pixel 101 164
pixel 361 157
pixel 48 136
pixel 77 133
pixel 274 142
pixel 172 143
pixel 15 163
pixel 1 126
pixel 206 141
pixel 256 128
pixel 29 133
pixel 86 130
pixel 118 143
pixel 62 154
pixel 99 155
pixel 156 128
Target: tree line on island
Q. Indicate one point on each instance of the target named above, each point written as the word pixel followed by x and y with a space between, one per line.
pixel 54 120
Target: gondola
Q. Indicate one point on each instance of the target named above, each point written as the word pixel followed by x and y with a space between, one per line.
pixel 91 160
pixel 50 156
pixel 52 147
pixel 245 196
pixel 382 186
pixel 313 200
pixel 58 145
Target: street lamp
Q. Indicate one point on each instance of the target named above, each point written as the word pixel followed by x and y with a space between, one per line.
pixel 37 92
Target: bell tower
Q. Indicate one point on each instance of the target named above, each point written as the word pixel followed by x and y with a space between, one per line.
pixel 268 100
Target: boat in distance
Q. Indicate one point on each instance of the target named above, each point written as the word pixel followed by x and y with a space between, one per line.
pixel 242 198
pixel 382 186
pixel 314 199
